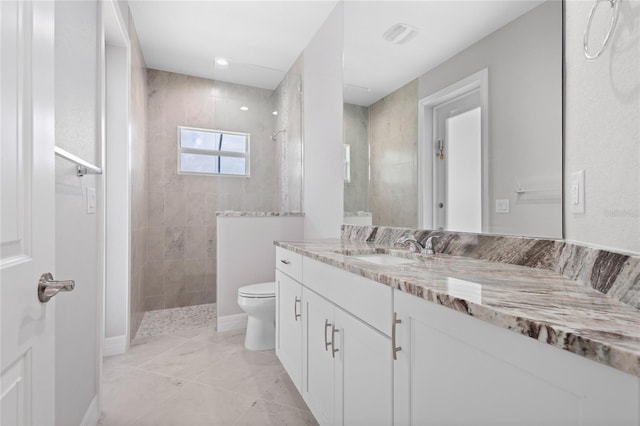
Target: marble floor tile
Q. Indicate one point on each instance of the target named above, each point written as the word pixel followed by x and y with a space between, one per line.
pixel 192 375
pixel 197 404
pixel 284 392
pixel 128 393
pixel 145 348
pixel 264 413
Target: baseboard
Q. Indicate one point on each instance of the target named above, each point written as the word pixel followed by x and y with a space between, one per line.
pixel 114 345
pixel 232 322
pixel 92 416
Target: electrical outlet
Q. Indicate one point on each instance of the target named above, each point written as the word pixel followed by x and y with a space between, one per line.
pixel 577 192
pixel 91 200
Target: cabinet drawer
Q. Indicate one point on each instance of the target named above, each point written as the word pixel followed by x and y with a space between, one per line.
pixel 366 299
pixel 289 262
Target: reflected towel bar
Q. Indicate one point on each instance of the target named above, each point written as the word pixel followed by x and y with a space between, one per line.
pixel 83 167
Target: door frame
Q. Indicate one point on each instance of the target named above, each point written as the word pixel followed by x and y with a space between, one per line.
pixel 115 66
pixel 427 137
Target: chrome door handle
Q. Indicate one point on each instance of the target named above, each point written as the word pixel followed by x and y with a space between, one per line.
pixel 326 338
pixel 48 287
pixel 395 349
pixel 334 330
pixel 285 261
pixel 296 315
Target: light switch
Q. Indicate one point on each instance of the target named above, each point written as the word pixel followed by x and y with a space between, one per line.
pixel 502 205
pixel 91 200
pixel 577 192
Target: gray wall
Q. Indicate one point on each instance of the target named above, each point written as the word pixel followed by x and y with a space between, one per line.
pixel 524 59
pixel 356 135
pixel 601 131
pixel 78 131
pixel 181 243
pixel 393 139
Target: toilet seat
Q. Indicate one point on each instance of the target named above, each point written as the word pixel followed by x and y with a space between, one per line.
pixel 258 291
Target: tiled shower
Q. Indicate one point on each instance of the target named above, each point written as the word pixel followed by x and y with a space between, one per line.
pixel 181 208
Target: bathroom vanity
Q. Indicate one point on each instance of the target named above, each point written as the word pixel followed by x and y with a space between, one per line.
pixel 374 335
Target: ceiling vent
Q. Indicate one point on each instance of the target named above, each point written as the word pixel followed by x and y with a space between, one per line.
pixel 400 33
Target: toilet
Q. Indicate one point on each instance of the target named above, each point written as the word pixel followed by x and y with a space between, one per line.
pixel 259 302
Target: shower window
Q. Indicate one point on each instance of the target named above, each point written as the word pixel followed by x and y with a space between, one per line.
pixel 212 152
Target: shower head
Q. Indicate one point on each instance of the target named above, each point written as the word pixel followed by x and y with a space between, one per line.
pixel 273 136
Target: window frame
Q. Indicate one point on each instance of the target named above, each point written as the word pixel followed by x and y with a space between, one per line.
pixel 213 153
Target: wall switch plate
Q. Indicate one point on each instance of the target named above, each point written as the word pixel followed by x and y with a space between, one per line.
pixel 502 205
pixel 577 192
pixel 91 200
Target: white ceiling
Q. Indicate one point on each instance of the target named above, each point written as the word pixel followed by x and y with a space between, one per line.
pixel 262 39
pixel 446 28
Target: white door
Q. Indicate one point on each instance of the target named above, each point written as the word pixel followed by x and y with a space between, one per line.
pixel 458 164
pixel 27 219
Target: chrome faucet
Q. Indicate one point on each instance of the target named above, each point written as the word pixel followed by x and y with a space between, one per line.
pixel 428 245
pixel 414 245
pixel 417 246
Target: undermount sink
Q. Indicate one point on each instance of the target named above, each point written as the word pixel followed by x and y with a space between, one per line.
pixel 383 259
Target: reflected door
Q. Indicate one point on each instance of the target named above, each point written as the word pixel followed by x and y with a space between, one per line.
pixel 458 164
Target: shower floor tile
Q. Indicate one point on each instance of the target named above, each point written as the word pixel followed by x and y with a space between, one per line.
pixel 177 320
pixel 188 374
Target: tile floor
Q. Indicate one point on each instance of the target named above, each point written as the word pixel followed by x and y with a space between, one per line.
pixel 197 376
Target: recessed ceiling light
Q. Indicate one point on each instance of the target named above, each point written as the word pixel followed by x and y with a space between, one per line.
pixel 244 108
pixel 275 113
pixel 222 62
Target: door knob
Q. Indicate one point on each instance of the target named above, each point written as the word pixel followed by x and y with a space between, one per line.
pixel 48 287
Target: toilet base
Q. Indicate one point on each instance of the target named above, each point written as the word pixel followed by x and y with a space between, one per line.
pixel 261 335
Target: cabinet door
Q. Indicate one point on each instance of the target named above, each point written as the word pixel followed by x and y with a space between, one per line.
pixel 289 326
pixel 364 382
pixel 457 370
pixel 318 363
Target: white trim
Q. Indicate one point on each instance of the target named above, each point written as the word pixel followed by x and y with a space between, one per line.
pixel 92 416
pixel 426 136
pixel 232 322
pixel 115 345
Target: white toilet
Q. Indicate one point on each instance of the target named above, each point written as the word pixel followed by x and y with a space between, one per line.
pixel 259 302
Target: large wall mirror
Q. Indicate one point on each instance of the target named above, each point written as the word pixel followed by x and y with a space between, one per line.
pixel 453 115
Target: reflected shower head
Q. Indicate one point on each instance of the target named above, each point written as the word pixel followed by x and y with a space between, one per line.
pixel 273 136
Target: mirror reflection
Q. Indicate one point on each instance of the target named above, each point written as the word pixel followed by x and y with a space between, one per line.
pixel 453 115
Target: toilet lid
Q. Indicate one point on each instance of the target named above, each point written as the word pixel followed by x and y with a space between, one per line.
pixel 258 290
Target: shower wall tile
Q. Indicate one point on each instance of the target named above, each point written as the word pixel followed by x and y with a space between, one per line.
pixel 174 242
pixel 155 242
pixel 155 209
pixel 195 242
pixel 181 211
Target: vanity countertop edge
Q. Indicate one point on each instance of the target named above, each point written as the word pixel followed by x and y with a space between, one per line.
pixel 540 304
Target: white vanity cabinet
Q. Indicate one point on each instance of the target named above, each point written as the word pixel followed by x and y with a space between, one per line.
pixel 289 330
pixel 347 364
pixel 453 369
pixel 289 318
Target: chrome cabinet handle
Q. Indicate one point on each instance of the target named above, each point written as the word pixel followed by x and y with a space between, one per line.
pixel 285 261
pixel 296 315
pixel 334 330
pixel 326 338
pixel 48 287
pixel 395 349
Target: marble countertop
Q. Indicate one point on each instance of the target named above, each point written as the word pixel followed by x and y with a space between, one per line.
pixel 538 303
pixel 234 213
